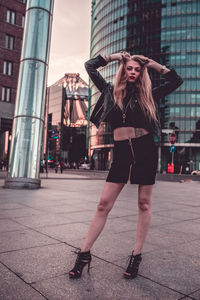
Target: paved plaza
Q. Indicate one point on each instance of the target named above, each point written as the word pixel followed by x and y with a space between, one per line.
pixel 41 229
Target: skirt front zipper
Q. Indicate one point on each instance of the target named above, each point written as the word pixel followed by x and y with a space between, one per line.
pixel 131 145
pixel 133 155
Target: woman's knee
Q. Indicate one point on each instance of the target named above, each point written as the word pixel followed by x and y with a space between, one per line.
pixel 104 205
pixel 144 203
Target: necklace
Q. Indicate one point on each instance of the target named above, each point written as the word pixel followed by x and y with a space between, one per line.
pixel 124 109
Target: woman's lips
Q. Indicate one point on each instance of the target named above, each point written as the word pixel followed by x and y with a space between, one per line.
pixel 132 77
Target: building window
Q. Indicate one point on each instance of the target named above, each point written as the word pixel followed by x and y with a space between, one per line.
pixel 9 42
pixel 7 68
pixel 11 16
pixel 6 94
pixel 23 21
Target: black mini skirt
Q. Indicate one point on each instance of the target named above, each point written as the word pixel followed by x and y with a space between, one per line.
pixel 135 159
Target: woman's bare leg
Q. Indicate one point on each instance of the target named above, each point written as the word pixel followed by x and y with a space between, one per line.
pixel 109 195
pixel 144 215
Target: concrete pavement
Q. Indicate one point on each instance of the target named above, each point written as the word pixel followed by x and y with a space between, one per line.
pixel 41 229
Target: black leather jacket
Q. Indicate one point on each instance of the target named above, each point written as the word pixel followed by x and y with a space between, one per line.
pixel 106 101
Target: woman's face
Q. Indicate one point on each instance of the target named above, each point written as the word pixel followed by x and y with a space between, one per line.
pixel 132 70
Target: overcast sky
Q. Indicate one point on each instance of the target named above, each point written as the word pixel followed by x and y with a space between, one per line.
pixel 70 40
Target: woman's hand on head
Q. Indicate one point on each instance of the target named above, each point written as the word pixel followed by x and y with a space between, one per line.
pixel 150 63
pixel 116 56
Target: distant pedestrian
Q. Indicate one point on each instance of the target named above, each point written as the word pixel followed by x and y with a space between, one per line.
pixel 92 165
pixel 130 107
pixel 187 170
pixel 56 166
pixel 61 166
pixel 41 166
pixel 1 164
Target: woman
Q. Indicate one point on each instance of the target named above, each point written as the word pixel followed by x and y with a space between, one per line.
pixel 130 109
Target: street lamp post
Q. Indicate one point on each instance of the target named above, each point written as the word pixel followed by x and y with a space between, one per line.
pixel 29 118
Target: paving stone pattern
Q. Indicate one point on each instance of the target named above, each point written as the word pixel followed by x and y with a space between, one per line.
pixel 40 231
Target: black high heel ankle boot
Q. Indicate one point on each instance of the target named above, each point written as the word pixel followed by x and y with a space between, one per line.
pixel 83 259
pixel 133 266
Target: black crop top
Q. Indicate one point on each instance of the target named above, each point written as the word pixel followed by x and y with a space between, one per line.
pixel 134 114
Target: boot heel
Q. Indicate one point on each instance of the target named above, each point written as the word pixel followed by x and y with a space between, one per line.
pixel 89 267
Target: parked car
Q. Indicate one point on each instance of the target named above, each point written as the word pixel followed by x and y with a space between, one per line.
pixel 196 172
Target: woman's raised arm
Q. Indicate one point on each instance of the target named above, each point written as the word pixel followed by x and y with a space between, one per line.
pixel 99 61
pixel 172 78
pixel 91 67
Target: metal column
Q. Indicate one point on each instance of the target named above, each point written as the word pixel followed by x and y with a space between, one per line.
pixel 29 117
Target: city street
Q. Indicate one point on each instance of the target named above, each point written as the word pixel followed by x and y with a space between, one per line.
pixel 41 229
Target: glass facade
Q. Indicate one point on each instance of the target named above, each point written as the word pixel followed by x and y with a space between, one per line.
pixel 168 32
pixel 47 4
pixel 32 80
pixel 180 42
pixel 108 35
pixel 38 25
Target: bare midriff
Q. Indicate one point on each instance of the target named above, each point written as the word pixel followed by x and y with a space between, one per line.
pixel 123 133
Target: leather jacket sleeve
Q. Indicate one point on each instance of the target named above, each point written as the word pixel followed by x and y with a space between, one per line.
pixel 91 67
pixel 173 82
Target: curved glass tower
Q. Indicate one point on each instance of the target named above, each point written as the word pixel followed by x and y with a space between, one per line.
pixel 108 35
pixel 168 32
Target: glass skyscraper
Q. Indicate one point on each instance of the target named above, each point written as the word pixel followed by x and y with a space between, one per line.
pixel 168 32
pixel 180 43
pixel 108 35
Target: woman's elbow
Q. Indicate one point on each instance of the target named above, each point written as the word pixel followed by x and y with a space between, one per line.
pixel 86 65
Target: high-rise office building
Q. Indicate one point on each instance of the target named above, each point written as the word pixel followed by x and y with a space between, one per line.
pixel 12 16
pixel 67 106
pixel 180 41
pixel 166 31
pixel 108 35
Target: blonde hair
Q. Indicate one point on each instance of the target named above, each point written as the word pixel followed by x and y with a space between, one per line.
pixel 143 85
